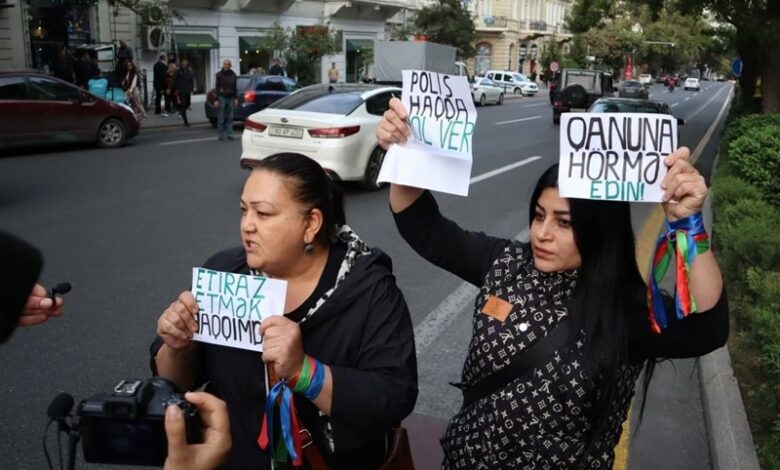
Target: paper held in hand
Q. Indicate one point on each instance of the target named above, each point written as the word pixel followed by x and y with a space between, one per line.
pixel 442 117
pixel 615 156
pixel 233 305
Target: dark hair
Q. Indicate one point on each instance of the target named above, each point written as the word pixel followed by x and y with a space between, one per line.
pixel 609 286
pixel 311 186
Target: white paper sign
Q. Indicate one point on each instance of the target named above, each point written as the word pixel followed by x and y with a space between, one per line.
pixel 615 156
pixel 231 307
pixel 443 118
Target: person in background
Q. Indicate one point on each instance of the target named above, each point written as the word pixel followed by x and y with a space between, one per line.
pixel 182 86
pixel 98 85
pixel 170 73
pixel 333 73
pixel 160 70
pixel 62 67
pixel 276 67
pixel 575 291
pixel 227 100
pixel 83 70
pixel 123 55
pixel 132 93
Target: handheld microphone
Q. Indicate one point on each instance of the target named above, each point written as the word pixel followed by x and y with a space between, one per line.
pixel 62 288
pixel 59 408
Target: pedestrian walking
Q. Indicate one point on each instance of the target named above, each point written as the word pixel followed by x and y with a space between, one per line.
pixel 160 71
pixel 169 75
pixel 227 100
pixel 333 73
pixel 183 84
pixel 132 93
pixel 560 330
pixel 62 67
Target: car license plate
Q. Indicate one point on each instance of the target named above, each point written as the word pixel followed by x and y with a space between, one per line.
pixel 291 132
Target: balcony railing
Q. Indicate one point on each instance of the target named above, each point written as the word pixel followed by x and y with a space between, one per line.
pixel 491 22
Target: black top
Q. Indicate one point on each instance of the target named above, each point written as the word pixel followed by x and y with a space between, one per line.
pixel 545 418
pixel 276 70
pixel 226 84
pixel 183 80
pixel 160 72
pixel 362 330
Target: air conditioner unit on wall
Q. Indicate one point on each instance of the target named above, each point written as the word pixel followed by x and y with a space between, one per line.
pixel 155 38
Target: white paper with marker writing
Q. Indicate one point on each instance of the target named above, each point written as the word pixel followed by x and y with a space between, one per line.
pixel 232 306
pixel 615 156
pixel 438 153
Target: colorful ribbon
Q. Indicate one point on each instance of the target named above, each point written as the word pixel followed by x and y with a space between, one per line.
pixel 682 241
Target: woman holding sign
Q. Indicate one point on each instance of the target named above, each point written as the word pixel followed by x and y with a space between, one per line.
pixel 344 346
pixel 560 328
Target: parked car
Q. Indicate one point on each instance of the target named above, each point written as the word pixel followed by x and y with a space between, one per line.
pixel 692 84
pixel 513 82
pixel 645 79
pixel 255 92
pixel 578 89
pixel 39 109
pixel 632 89
pixel 632 105
pixel 485 90
pixel 333 124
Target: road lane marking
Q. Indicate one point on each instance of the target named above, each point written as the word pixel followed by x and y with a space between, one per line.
pixel 686 99
pixel 503 169
pixel 188 141
pixel 501 123
pixel 707 103
pixel 673 105
pixel 532 105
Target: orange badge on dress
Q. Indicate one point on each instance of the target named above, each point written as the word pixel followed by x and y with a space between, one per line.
pixel 497 308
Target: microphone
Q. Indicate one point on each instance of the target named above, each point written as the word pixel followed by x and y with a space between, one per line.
pixel 20 264
pixel 62 288
pixel 59 408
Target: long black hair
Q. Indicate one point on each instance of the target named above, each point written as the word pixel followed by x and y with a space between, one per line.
pixel 310 186
pixel 609 287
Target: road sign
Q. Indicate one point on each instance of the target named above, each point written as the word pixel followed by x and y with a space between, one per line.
pixel 554 67
pixel 736 66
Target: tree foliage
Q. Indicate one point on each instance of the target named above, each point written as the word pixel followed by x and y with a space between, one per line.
pixel 305 48
pixel 448 22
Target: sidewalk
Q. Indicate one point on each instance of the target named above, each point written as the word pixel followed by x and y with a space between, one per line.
pixel 196 116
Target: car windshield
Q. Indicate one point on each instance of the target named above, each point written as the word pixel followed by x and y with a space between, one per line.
pixel 636 106
pixel 588 81
pixel 242 83
pixel 321 99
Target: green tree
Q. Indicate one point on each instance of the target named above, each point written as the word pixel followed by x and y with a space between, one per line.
pixel 305 48
pixel 448 22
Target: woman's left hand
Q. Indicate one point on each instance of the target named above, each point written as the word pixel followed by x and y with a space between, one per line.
pixel 282 345
pixel 684 187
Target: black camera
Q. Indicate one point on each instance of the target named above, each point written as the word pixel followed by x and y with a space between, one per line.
pixel 127 426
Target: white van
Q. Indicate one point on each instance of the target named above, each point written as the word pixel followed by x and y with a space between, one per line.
pixel 513 82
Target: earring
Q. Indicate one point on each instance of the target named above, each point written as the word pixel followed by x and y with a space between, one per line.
pixel 308 248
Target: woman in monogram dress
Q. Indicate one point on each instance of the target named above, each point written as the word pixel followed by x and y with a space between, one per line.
pixel 578 270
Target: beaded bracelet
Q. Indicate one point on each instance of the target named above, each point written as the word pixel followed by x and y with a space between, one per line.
pixel 682 241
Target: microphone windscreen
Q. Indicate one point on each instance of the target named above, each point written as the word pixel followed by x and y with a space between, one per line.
pixel 60 406
pixel 20 265
pixel 62 288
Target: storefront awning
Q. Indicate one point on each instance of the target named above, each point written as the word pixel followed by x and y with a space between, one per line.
pixel 253 43
pixel 357 44
pixel 196 41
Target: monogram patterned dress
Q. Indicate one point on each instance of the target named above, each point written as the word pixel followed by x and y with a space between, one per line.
pixel 544 419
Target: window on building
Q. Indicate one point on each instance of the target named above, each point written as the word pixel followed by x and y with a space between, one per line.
pixel 487 8
pixel 13 88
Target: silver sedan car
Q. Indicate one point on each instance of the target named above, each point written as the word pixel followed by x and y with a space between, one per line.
pixel 485 90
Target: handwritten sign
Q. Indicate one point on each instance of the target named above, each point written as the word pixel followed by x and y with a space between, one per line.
pixel 231 307
pixel 615 156
pixel 442 118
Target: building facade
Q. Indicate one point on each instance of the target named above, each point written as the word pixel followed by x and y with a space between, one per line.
pixel 512 34
pixel 208 31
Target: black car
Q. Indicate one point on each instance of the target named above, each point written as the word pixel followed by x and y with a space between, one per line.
pixel 632 89
pixel 255 92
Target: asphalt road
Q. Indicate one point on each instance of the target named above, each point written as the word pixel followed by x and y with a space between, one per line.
pixel 125 227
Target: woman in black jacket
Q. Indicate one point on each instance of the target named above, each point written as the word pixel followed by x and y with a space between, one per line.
pixel 342 310
pixel 572 298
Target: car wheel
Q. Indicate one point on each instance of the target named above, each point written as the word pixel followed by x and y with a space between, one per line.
pixel 213 122
pixel 482 100
pixel 372 170
pixel 500 98
pixel 111 133
pixel 517 91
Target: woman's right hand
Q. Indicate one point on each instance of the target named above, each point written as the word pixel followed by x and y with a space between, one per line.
pixel 393 129
pixel 177 323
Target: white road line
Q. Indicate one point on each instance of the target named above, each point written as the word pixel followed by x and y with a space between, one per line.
pixel 686 99
pixel 503 169
pixel 531 105
pixel 175 142
pixel 674 104
pixel 441 317
pixel 501 123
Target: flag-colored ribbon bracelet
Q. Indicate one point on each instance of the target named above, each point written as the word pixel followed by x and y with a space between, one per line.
pixel 681 242
pixel 309 382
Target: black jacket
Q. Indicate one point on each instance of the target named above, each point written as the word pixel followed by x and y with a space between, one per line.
pixel 183 81
pixel 160 72
pixel 226 84
pixel 363 331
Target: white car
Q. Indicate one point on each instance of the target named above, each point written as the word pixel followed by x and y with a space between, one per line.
pixel 485 90
pixel 692 84
pixel 333 124
pixel 513 82
pixel 645 79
